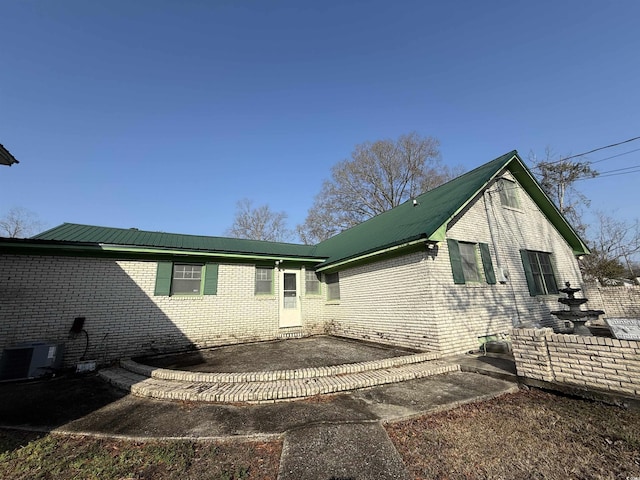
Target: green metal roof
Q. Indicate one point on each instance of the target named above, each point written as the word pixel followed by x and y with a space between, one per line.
pixel 404 225
pixel 428 220
pixel 139 239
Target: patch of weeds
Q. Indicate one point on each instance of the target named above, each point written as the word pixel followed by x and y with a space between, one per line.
pixel 239 473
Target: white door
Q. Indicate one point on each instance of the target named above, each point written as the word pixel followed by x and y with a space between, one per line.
pixel 290 298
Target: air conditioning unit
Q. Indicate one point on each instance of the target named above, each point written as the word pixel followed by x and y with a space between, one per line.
pixel 30 360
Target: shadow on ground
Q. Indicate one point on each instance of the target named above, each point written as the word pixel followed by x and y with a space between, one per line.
pixel 52 403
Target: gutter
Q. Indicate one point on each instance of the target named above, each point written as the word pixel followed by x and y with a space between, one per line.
pixel 117 248
pixel 100 247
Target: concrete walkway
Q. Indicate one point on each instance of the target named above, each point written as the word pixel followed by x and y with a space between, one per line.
pixel 328 437
pixel 360 451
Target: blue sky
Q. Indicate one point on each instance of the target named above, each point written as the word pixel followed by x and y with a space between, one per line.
pixel 161 115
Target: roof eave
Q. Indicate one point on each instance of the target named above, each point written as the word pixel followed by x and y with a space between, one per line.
pixel 530 184
pixel 374 253
pixel 439 234
pixel 36 245
pixel 533 188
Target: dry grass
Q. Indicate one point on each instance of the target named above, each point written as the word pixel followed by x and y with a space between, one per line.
pixel 528 435
pixel 30 456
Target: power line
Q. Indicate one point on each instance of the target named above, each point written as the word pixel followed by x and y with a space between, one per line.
pixel 621 169
pixel 598 149
pixel 592 151
pixel 612 174
pixel 615 156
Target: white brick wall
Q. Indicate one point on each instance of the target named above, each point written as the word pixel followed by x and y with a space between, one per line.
pixel 617 302
pixel 386 302
pixel 409 300
pixel 40 296
pixel 584 362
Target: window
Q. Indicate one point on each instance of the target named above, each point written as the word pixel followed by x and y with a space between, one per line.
pixel 469 261
pixel 264 281
pixel 538 270
pixel 333 286
pixel 508 193
pixel 312 283
pixel 186 279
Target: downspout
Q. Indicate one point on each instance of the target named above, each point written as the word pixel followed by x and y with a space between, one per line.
pixel 502 278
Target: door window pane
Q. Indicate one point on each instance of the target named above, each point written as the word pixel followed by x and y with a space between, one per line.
pixel 290 299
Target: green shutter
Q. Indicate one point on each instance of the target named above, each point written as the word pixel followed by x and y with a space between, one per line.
pixel 163 278
pixel 528 273
pixel 210 279
pixel 456 261
pixel 487 264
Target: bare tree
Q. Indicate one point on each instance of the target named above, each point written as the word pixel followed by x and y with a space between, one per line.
pixel 615 245
pixel 557 178
pixel 379 176
pixel 19 222
pixel 259 223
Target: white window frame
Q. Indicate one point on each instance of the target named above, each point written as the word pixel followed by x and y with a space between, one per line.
pixel 333 286
pixel 187 272
pixel 311 278
pixel 263 277
pixel 508 193
pixel 542 275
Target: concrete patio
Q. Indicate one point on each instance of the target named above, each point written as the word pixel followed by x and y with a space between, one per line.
pixel 275 371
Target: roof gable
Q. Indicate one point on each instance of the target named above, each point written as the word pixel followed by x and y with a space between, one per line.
pixel 429 217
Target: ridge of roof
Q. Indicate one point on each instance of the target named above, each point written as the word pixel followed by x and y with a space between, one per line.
pixel 92 234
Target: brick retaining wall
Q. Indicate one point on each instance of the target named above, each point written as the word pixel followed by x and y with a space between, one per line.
pixel 599 363
pixel 617 302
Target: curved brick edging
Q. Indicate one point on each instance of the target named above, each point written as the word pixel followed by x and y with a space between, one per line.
pixel 274 375
pixel 268 391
